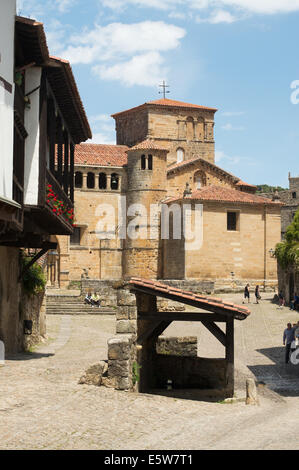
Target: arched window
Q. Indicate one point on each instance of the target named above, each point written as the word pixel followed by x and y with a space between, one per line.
pixel 143 162
pixel 78 179
pixel 102 181
pixel 90 180
pixel 114 181
pixel 199 179
pixel 180 154
pixel 150 162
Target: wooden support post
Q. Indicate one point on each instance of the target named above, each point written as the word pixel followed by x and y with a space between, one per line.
pixel 66 163
pixel 72 164
pixel 59 176
pixel 52 135
pixel 229 356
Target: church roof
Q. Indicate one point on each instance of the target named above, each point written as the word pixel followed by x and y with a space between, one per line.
pixel 148 144
pixel 212 166
pixel 165 102
pixel 101 155
pixel 215 193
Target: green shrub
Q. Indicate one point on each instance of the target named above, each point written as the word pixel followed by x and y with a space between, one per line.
pixel 33 279
pixel 287 252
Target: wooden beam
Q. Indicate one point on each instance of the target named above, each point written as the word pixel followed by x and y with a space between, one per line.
pixel 66 163
pixel 183 316
pixel 155 329
pixel 52 134
pixel 34 259
pixel 216 331
pixel 59 151
pixel 229 356
pixel 72 165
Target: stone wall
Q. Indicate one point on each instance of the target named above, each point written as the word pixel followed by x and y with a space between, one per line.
pixel 10 296
pixel 244 252
pixel 177 346
pixel 122 349
pixel 16 306
pixel 190 372
pixel 34 308
pixel 191 129
pixel 105 289
pixel 177 179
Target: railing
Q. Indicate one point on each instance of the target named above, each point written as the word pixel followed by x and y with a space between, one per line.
pixel 57 200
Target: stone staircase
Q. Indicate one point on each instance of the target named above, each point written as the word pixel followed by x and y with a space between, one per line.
pixel 64 302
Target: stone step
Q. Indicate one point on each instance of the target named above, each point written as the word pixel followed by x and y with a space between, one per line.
pixel 91 311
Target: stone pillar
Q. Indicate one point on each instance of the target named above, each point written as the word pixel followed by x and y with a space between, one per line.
pixel 108 186
pixel 122 362
pixel 96 180
pixel 84 184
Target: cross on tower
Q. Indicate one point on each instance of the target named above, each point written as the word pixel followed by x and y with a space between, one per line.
pixel 164 86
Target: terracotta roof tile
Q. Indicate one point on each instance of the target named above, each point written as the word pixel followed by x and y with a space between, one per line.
pixel 101 155
pixel 165 102
pixel 148 144
pixel 242 183
pixel 204 302
pixel 215 193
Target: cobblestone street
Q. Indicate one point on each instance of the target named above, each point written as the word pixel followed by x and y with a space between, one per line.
pixel 43 407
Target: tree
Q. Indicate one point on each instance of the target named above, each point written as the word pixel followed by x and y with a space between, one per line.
pixel 287 252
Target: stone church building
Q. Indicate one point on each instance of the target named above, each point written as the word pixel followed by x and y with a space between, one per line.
pixel 165 155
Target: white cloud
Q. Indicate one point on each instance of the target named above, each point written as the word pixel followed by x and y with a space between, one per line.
pixel 231 161
pixel 145 69
pixel 251 6
pixel 217 17
pixel 233 113
pixel 220 156
pixel 109 42
pixel 103 129
pixel 40 9
pixel 129 53
pixel 64 6
pixel 264 6
pixel 230 127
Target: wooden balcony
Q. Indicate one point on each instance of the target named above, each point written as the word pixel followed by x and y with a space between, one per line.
pixel 54 213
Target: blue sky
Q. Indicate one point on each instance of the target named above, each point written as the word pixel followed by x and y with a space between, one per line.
pixel 240 56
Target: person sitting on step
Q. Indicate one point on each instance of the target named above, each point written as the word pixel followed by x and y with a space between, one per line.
pixel 88 299
pixel 95 299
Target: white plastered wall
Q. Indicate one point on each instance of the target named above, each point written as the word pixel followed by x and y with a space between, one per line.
pixel 7 27
pixel 31 173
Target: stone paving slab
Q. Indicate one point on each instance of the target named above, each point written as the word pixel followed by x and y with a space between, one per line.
pixel 43 407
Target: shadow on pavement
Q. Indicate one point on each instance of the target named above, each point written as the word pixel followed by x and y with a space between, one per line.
pixel 280 377
pixel 27 356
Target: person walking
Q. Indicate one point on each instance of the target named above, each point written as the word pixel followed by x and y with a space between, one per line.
pixel 288 338
pixel 246 293
pixel 281 300
pixel 257 294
